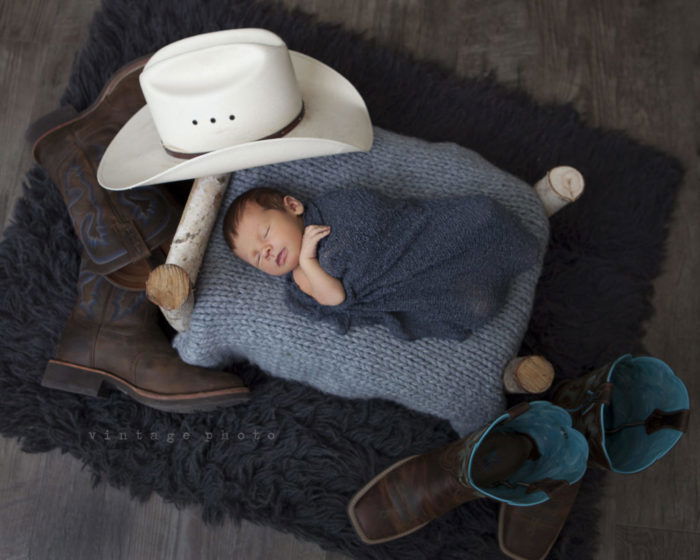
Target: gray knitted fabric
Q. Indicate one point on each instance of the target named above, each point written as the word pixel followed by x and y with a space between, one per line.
pixel 240 312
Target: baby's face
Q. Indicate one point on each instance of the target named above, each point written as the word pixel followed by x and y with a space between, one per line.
pixel 270 240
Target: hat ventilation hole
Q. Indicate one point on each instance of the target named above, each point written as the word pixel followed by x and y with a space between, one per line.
pixel 194 122
pixel 213 120
pixel 231 117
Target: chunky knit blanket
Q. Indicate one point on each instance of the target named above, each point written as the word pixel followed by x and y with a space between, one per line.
pixel 422 268
pixel 240 312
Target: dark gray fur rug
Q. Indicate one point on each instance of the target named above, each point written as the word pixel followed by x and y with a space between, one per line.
pixel 312 451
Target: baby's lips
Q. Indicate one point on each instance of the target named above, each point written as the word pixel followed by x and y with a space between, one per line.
pixel 280 257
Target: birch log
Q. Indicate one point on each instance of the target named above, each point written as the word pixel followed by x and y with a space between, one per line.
pixel 171 286
pixel 559 187
pixel 534 374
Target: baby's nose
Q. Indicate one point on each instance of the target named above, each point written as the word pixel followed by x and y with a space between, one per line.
pixel 267 251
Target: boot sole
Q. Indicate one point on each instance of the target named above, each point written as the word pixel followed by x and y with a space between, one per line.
pixel 89 381
pixel 356 498
pixel 55 120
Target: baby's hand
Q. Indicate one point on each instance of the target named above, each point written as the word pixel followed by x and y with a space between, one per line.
pixel 312 235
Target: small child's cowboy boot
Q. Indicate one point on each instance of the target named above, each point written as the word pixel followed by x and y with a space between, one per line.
pixel 632 412
pixel 520 458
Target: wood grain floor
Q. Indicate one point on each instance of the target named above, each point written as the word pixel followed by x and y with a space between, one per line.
pixel 632 65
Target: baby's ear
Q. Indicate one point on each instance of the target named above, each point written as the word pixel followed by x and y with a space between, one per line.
pixel 295 205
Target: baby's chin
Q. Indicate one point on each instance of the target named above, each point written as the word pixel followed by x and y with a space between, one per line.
pixel 286 269
pixel 282 273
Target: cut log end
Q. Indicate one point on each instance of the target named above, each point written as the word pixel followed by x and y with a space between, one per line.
pixel 528 374
pixel 561 186
pixel 168 286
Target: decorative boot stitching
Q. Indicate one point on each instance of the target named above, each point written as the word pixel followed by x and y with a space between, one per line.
pixel 125 229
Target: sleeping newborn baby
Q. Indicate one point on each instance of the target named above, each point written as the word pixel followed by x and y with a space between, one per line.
pixel 421 267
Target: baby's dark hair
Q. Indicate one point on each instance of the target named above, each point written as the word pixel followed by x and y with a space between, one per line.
pixel 268 198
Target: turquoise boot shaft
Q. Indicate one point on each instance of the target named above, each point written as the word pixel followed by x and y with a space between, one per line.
pixel 632 412
pixel 560 457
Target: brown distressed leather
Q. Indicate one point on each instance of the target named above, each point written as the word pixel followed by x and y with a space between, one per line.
pixel 112 337
pixel 584 398
pixel 115 227
pixel 407 497
pixel 528 533
pixel 412 492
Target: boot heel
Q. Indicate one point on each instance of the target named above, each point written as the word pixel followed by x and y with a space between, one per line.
pixel 66 377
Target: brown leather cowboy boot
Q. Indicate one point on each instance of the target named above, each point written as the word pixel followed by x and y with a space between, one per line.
pixel 632 412
pixel 510 459
pixel 121 232
pixel 110 339
pixel 112 336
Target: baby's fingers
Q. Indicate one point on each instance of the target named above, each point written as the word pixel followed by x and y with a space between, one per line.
pixel 317 232
pixel 324 231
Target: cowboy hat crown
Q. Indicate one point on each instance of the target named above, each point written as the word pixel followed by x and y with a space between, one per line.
pixel 243 91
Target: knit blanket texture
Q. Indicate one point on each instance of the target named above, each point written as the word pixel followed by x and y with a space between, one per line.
pixel 422 268
pixel 241 312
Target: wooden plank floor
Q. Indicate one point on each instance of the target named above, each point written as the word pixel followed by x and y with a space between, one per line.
pixel 632 65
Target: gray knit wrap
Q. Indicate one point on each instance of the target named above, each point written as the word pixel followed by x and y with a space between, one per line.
pixel 240 312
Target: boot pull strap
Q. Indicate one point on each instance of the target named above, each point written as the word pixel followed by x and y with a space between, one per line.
pixel 658 420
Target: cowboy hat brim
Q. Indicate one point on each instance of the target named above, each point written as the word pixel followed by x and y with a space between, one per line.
pixel 335 121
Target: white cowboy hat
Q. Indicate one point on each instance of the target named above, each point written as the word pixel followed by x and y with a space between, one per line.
pixel 230 100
